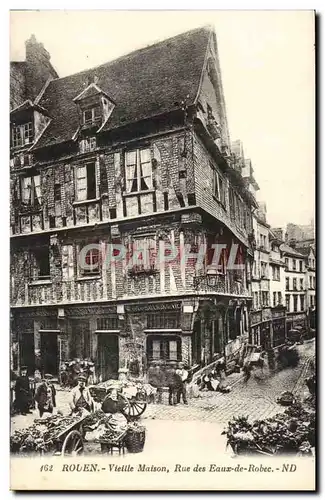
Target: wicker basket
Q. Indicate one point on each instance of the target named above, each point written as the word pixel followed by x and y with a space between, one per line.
pixel 135 439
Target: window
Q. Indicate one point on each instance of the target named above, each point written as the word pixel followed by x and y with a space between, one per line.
pixel 218 186
pixel 274 299
pixel 31 190
pixel 265 299
pixel 138 170
pixel 287 283
pixel 276 273
pixel 302 302
pixel 294 264
pixel 110 323
pixel 301 283
pixel 42 258
pixel 86 182
pixel 263 270
pixel 161 320
pixel 295 303
pixel 142 254
pixel 279 298
pixel 57 192
pixel 288 302
pixel 22 134
pixel 92 115
pixel 92 260
pixel 87 144
pixel 286 262
pixel 294 284
pixel 67 263
pixel 165 348
pixel 300 266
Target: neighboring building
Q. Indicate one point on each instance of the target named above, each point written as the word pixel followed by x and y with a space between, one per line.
pixel 133 152
pixel 29 77
pixel 295 276
pixel 260 317
pixel 301 233
pixel 277 291
pixel 310 282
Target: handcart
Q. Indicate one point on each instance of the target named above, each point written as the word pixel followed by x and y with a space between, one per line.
pixel 135 401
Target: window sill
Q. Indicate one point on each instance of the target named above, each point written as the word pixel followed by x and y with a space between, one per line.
pixel 137 193
pixel 40 281
pixel 84 202
pixel 89 278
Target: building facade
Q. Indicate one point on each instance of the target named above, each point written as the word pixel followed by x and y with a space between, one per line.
pixel 295 277
pixel 113 163
pixel 310 282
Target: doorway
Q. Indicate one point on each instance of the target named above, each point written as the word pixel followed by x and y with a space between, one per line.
pixel 108 356
pixel 49 352
pixel 27 352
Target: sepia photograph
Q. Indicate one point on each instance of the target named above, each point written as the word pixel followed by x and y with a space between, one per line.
pixel 162 250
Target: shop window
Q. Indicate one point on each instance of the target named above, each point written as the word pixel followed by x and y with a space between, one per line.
pixel 161 320
pixel 110 323
pixel 138 170
pixel 164 348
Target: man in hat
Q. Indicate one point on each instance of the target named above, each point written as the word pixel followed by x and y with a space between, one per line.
pixel 45 396
pixel 80 396
pixel 22 392
pixel 183 376
pixel 172 382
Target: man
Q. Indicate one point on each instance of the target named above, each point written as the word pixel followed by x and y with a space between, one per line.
pixel 172 381
pixel 80 396
pixel 152 380
pixel 45 396
pixel 22 392
pixel 183 376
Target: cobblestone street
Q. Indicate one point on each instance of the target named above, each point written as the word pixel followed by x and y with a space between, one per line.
pixel 185 429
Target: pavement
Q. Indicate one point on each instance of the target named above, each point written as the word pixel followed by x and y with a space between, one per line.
pixel 189 429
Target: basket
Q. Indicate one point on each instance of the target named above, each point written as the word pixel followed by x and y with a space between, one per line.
pixel 135 439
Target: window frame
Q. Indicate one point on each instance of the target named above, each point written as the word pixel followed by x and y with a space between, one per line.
pixel 140 180
pixel 85 166
pixel 26 134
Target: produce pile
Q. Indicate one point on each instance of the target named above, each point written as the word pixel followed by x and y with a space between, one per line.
pixel 291 432
pixel 41 436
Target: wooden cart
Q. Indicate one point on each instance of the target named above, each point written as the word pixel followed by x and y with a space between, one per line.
pixel 134 406
pixel 69 441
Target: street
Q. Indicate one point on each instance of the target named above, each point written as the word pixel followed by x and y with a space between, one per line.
pixel 187 430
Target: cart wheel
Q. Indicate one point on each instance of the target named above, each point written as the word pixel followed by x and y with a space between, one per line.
pixel 73 444
pixel 135 409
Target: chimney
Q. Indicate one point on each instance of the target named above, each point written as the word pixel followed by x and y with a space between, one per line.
pixel 38 67
pixel 293 243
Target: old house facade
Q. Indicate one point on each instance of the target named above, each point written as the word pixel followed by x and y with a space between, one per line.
pixel 295 276
pixel 130 158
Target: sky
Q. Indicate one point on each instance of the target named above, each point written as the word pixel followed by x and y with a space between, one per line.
pixel 267 65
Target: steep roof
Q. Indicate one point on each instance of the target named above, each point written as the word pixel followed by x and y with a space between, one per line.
pixel 290 251
pixel 145 83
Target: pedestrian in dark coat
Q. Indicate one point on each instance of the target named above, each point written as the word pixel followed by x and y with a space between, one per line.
pixel 22 392
pixel 45 397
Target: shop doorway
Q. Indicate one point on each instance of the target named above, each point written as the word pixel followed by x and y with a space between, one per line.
pixel 108 356
pixel 49 352
pixel 27 352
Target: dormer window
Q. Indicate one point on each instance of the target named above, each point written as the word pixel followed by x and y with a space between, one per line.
pixel 22 134
pixel 92 116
